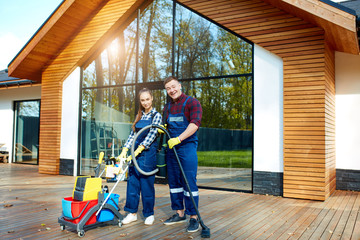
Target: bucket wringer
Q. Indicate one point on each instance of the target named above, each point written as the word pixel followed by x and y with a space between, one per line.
pixel 91 205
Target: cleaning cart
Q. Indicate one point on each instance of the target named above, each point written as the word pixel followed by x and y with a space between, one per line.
pixel 91 205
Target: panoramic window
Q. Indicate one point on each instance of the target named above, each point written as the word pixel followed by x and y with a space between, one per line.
pixel 205 50
pixel 213 65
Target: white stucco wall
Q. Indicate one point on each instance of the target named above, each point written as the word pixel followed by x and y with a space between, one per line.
pixel 70 116
pixel 268 111
pixel 347 107
pixel 7 99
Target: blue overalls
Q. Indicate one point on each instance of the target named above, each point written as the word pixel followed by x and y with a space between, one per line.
pixel 138 183
pixel 186 150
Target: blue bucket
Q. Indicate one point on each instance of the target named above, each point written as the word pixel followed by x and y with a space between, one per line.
pixel 66 207
pixel 106 214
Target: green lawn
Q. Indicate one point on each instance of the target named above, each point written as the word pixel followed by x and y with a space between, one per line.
pixel 228 159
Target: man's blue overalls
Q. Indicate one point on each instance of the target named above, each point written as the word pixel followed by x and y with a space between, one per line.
pixel 138 183
pixel 186 150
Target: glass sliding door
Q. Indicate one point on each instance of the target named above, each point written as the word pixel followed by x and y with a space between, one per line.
pixel 106 120
pixel 26 132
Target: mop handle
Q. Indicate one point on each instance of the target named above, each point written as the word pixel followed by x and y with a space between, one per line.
pixel 153 172
pixel 102 205
pixel 188 188
pixel 102 172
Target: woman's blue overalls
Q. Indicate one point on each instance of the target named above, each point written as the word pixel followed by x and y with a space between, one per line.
pixel 138 183
pixel 186 150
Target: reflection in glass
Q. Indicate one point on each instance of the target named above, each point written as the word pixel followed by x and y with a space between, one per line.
pixel 160 97
pixel 27 118
pixel 225 135
pixel 203 49
pixel 226 103
pixel 116 64
pixel 155 41
pixel 107 115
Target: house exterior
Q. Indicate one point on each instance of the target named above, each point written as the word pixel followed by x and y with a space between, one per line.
pixel 303 75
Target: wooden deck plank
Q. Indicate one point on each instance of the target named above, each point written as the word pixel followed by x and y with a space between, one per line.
pixel 250 223
pixel 349 228
pixel 319 223
pixel 230 219
pixel 264 228
pixel 282 224
pixel 36 200
pixel 316 207
pixel 345 216
pixel 295 228
pixel 356 229
pixel 335 220
pixel 326 228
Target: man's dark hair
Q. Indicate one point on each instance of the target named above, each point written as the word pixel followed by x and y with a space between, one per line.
pixel 168 79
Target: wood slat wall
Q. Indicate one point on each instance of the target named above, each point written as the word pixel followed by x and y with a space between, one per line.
pixel 309 88
pixel 50 125
pixel 57 71
pixel 330 121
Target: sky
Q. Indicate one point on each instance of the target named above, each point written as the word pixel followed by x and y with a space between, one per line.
pixel 19 20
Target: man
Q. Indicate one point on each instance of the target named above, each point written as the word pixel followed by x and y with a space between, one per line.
pixel 183 117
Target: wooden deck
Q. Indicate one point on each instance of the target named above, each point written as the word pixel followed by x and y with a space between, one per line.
pixel 31 204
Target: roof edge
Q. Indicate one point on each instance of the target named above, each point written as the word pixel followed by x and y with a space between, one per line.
pixel 339 6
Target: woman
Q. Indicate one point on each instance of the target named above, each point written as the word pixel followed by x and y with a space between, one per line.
pixel 146 146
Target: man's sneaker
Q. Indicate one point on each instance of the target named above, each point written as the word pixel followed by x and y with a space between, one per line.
pixel 149 220
pixel 129 218
pixel 193 225
pixel 175 219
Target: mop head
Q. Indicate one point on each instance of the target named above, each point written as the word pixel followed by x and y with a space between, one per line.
pixel 205 233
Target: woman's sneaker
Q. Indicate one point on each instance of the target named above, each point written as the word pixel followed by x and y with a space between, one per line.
pixel 129 218
pixel 175 219
pixel 193 225
pixel 149 220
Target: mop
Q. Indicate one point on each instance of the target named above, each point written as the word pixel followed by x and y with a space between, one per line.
pixel 205 233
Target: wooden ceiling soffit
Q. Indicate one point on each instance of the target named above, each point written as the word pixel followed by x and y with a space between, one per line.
pixel 51 37
pixel 339 26
pixel 92 36
pixel 249 18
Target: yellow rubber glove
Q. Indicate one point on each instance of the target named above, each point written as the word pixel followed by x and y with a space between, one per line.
pixel 161 131
pixel 123 153
pixel 173 141
pixel 136 152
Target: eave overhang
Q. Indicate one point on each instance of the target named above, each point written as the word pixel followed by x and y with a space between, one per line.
pixel 52 37
pixel 339 25
pixel 72 15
